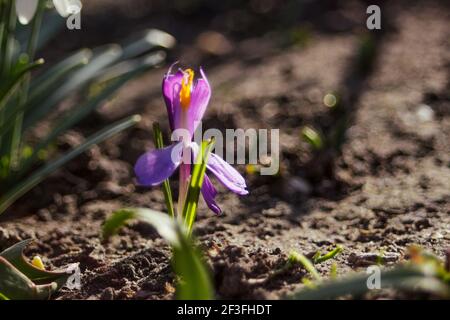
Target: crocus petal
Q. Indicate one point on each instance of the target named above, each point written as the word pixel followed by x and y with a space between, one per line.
pixel 25 10
pixel 153 167
pixel 226 174
pixel 209 192
pixel 67 7
pixel 171 91
pixel 201 93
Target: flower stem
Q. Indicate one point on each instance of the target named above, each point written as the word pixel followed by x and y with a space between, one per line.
pixel 185 167
pixel 7 26
pixel 8 38
pixel 185 172
pixel 3 10
pixel 31 50
pixel 157 135
pixel 195 184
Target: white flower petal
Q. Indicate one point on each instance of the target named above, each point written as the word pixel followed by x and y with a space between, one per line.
pixel 25 10
pixel 67 7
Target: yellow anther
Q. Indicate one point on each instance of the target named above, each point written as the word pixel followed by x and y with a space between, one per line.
pixel 37 262
pixel 251 169
pixel 186 88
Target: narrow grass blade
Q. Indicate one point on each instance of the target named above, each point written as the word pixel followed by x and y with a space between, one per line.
pixel 8 45
pixel 194 279
pixel 146 41
pixel 159 143
pixel 8 88
pixel 195 185
pixel 44 87
pixel 146 62
pixel 400 277
pixel 77 80
pixel 117 221
pixel 76 115
pixel 295 257
pixel 330 255
pixel 16 135
pixel 163 224
pixel 21 188
pixel 313 137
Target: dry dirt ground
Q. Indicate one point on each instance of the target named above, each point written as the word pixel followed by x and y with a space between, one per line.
pixel 381 184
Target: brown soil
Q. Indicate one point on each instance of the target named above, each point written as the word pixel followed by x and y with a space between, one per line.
pixel 381 188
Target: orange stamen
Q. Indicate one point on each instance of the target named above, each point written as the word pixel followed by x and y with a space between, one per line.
pixel 186 88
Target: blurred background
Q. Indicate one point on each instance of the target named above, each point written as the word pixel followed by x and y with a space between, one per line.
pixel 364 131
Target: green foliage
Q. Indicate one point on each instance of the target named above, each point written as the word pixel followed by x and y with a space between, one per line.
pixel 159 143
pixel 195 184
pixel 21 280
pixel 319 258
pixel 298 258
pixel 366 52
pixel 194 280
pixel 40 174
pixel 88 77
pixel 313 137
pixel 355 285
pixel 117 221
pixel 424 272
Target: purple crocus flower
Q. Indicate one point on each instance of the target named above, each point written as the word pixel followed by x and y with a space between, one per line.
pixel 186 103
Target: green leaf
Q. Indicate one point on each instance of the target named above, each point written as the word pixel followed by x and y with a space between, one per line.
pixel 159 143
pixel 400 277
pixel 116 221
pixel 295 257
pixel 21 188
pixel 164 225
pixel 21 280
pixel 125 67
pixel 124 73
pixel 313 137
pixel 2 297
pixel 75 115
pixel 107 67
pixel 8 88
pixel 188 264
pixel 44 86
pixel 146 41
pixel 330 255
pixel 15 285
pixel 100 60
pixel 195 184
pixel 14 255
pixel 298 258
